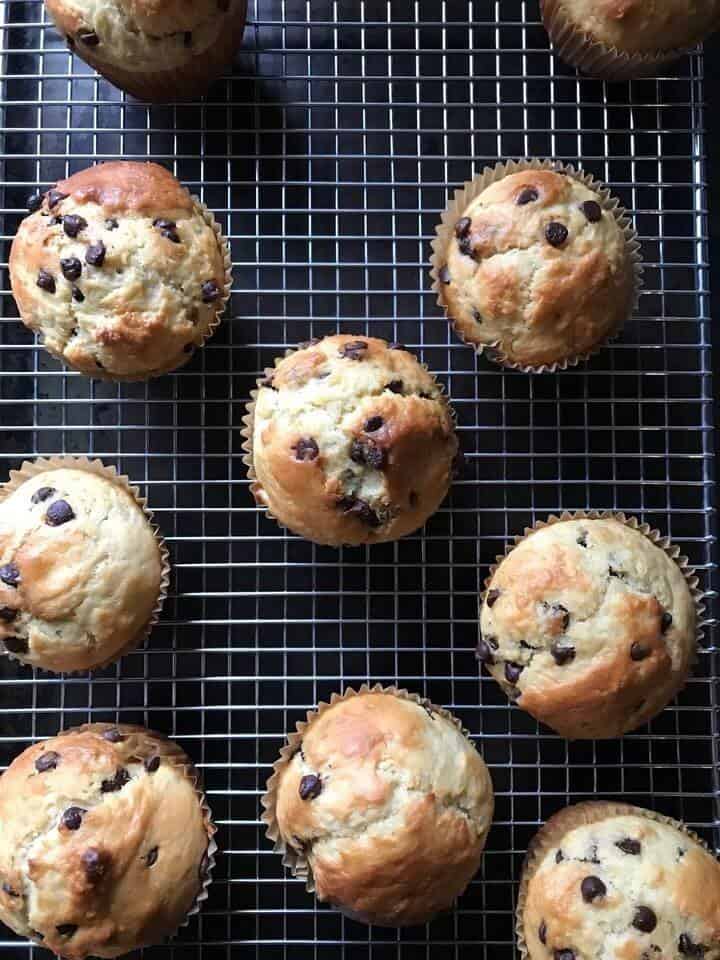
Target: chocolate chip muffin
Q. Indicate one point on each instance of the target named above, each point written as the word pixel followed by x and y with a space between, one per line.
pixel 616 882
pixel 82 571
pixel 120 271
pixel 534 264
pixel 153 49
pixel 589 625
pixel 350 441
pixel 383 801
pixel 106 841
pixel 619 39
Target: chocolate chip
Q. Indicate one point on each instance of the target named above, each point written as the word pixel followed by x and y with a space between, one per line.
pixel 310 787
pixel 559 857
pixel 360 509
pixel 528 195
pixel 395 386
pixel 77 295
pixel 612 572
pixel 72 818
pixel 8 614
pixel 210 292
pixel 163 224
pixel 42 494
pixel 592 888
pixel 58 513
pixel 17 645
pixel 484 653
pixel 582 539
pixel 491 597
pixel 88 37
pixel 34 202
pixel 151 857
pixel 117 782
pixel 665 622
pixel 47 761
pixel 111 223
pixel 562 655
pixel 187 38
pixel 55 197
pixel 152 763
pixel 66 929
pixel 353 350
pixel 54 221
pixel 46 281
pixel 73 224
pixel 368 453
pixel 373 424
pixel 542 933
pixel 462 227
pixel 629 846
pixel 95 254
pixel 99 364
pixel 688 947
pixel 10 575
pixel 513 671
pixel 563 954
pixel 644 920
pixel 113 735
pixel 71 268
pixel 94 864
pixel 556 233
pixel 639 652
pixel 592 210
pixel 306 449
pixel 172 235
pixel 444 275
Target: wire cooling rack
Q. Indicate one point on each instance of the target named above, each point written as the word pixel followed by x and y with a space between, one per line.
pixel 328 154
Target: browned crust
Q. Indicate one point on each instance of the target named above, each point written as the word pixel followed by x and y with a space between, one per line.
pixel 125 185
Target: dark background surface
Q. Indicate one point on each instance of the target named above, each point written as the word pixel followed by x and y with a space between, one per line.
pixel 327 156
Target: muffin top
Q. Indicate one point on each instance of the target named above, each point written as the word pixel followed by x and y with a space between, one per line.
pixel 148 34
pixel 104 842
pixel 589 626
pixel 644 26
pixel 352 441
pixel 118 271
pixel 611 882
pixel 80 570
pixel 536 266
pixel 390 804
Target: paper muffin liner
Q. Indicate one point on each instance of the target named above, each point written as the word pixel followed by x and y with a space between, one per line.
pixel 567 819
pixel 30 469
pixel 465 195
pixel 598 59
pixel 291 858
pixel 248 429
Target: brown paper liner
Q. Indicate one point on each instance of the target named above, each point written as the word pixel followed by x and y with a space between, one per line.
pixel 596 58
pixel 189 81
pixel 560 824
pixel 292 859
pixel 464 196
pixel 31 468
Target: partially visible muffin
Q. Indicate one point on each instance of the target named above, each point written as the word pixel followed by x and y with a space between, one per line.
pixel 106 841
pixel 81 570
pixel 536 267
pixel 615 882
pixel 119 271
pixel 351 441
pixel 387 803
pixel 589 625
pixel 153 49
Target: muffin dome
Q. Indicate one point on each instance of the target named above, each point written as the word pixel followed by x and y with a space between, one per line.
pixel 351 442
pixel 388 803
pixel 536 267
pixel 154 49
pixel 105 842
pixel 614 882
pixel 589 626
pixel 81 570
pixel 119 271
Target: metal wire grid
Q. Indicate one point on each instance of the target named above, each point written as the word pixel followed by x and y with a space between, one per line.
pixel 328 154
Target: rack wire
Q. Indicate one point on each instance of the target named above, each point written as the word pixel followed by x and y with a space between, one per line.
pixel 327 155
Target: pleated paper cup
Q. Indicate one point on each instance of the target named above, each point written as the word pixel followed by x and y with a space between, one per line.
pixel 556 829
pixel 462 199
pixel 30 469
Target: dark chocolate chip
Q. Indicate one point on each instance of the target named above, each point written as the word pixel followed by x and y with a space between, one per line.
pixel 563 954
pixel 187 38
pixel 528 195
pixel 562 655
pixel 47 761
pixel 556 233
pixel 688 947
pixel 629 846
pixel 373 424
pixel 88 37
pixel 6 888
pixel 310 787
pixel 644 920
pixel 582 539
pixel 306 449
pixel 94 864
pixel 360 509
pixel 613 572
pixel 559 857
pixel 17 645
pixel 72 818
pixel 665 622
pixel 353 350
pixel 172 235
pixel 55 197
pixel 34 202
pixel 542 933
pixel 111 223
pixel 77 295
pixel 592 888
pixel 491 597
pixel 638 652
pixel 152 763
pixel 66 929
pixel 58 513
pixel 46 281
pixel 462 227
pixel 117 782
pixel 163 224
pixel 42 494
pixel 484 654
pixel 592 210
pixel 54 221
pixel 73 224
pixel 210 292
pixel 444 275
pixel 113 735
pixel 8 614
pixel 99 365
pixel 95 254
pixel 513 671
pixel 368 453
pixel 71 268
pixel 395 386
pixel 10 575
pixel 151 857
